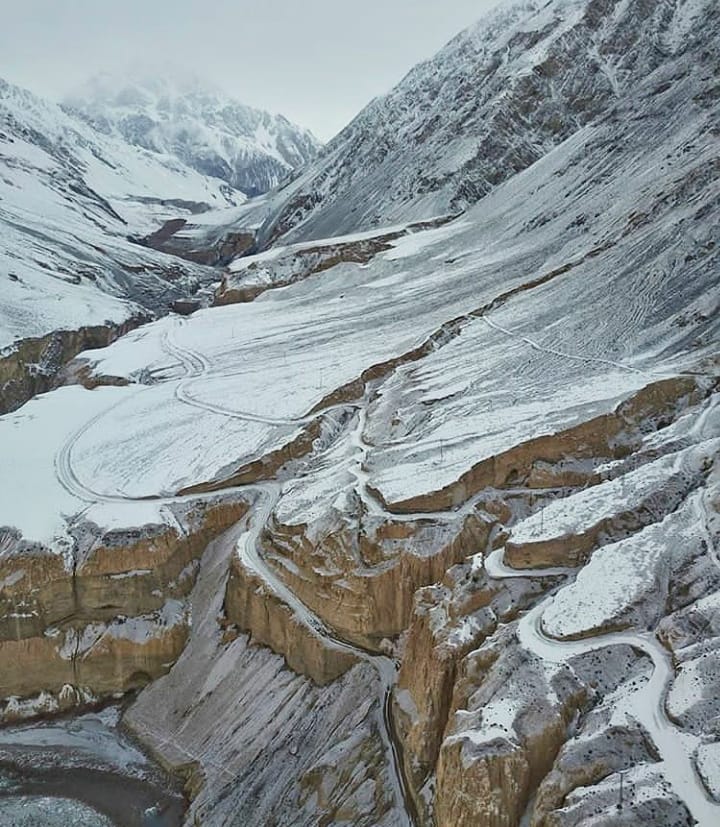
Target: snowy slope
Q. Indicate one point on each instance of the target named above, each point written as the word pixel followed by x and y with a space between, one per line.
pixel 545 364
pixel 496 99
pixel 251 150
pixel 550 301
pixel 69 199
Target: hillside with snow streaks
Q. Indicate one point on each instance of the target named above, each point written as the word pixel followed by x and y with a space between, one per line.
pixel 419 523
pixel 70 199
pixel 250 150
pixel 496 99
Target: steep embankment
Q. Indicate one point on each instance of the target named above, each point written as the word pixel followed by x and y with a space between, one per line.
pixel 408 415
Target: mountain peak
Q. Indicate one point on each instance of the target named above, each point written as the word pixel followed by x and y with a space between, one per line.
pixel 176 113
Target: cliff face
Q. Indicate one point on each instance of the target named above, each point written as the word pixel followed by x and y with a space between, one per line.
pixel 110 618
pixel 460 478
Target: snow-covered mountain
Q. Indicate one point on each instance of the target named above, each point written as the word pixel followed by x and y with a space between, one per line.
pixel 70 199
pixel 422 525
pixel 206 130
pixel 497 98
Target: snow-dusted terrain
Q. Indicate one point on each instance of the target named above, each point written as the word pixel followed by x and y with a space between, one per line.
pixel 497 98
pixel 70 199
pixel 460 477
pixel 204 129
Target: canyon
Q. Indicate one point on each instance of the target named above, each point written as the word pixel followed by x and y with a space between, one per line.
pixel 412 516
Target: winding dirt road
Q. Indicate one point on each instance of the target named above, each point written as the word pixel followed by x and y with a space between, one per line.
pixel 387 669
pixel 647 704
pixel 195 365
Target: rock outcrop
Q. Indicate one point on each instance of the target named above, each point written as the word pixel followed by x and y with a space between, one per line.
pixel 252 607
pixel 608 436
pixel 35 366
pixel 107 618
pixel 360 575
pixel 250 276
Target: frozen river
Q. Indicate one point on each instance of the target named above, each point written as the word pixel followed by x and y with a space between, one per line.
pixel 83 771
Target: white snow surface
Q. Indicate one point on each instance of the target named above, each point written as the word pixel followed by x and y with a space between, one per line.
pixel 615 313
pixel 623 582
pixel 73 451
pixel 585 509
pixel 69 199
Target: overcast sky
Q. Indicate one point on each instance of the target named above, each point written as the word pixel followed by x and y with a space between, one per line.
pixel 316 61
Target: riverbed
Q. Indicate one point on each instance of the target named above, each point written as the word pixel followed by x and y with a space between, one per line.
pixel 86 771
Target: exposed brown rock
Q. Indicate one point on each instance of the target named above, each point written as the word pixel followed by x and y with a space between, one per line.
pixel 35 365
pixel 609 435
pixel 52 606
pixel 450 620
pixel 488 783
pixel 112 663
pixel 254 608
pixel 361 577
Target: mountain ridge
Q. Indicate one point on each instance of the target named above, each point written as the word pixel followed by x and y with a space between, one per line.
pixel 250 149
pixel 489 104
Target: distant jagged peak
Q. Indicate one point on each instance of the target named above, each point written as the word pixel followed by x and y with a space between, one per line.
pixel 175 112
pixel 145 85
pixel 168 91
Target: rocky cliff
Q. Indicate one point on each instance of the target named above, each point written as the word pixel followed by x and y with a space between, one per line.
pixel 420 525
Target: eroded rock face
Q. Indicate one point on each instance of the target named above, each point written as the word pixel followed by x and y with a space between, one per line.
pixel 35 365
pixel 248 733
pixel 510 715
pixel 611 435
pixel 107 618
pixel 252 607
pixel 360 573
pixel 450 620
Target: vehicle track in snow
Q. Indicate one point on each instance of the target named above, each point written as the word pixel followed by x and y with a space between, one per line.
pixel 194 366
pixel 575 357
pixel 68 477
pixel 647 705
pixel 386 668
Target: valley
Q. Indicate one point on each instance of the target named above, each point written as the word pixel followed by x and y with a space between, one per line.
pixel 413 517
